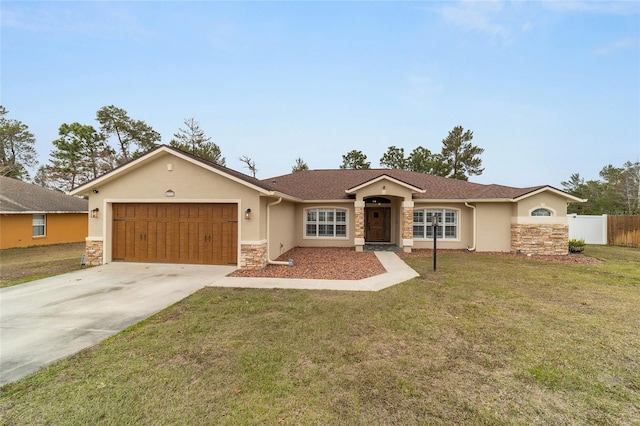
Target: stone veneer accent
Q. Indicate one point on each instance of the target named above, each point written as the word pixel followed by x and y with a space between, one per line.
pixel 359 222
pixel 93 251
pixel 540 239
pixel 407 223
pixel 253 256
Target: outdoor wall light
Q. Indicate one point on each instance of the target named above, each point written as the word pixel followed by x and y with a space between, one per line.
pixel 247 214
pixel 94 213
pixel 95 191
pixel 169 193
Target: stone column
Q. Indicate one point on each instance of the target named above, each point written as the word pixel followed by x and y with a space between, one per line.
pixel 407 225
pixel 93 252
pixel 253 255
pixel 359 225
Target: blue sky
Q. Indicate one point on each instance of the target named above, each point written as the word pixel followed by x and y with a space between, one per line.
pixel 548 88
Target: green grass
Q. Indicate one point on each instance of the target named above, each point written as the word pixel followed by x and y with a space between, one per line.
pixel 21 265
pixel 485 340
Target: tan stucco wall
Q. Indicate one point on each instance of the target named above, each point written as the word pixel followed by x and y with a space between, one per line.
pixel 465 227
pixel 494 226
pixel 282 231
pixel 16 229
pixel 189 182
pixel 547 200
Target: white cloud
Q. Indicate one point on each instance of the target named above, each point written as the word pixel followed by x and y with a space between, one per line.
pixel 499 20
pixel 599 7
pixel 621 44
pixel 90 19
pixel 479 16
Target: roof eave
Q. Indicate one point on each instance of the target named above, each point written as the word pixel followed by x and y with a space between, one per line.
pixel 414 189
pixel 566 195
pixel 282 195
pixel 45 212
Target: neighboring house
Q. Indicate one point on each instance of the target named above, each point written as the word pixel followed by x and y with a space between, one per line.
pixel 172 207
pixel 31 215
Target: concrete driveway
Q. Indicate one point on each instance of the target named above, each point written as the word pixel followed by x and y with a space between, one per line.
pixel 49 319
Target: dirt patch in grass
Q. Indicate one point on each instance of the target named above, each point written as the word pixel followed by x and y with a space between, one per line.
pixel 329 263
pixel 21 265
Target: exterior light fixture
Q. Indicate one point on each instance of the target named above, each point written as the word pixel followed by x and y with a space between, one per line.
pixel 247 214
pixel 94 213
pixel 169 193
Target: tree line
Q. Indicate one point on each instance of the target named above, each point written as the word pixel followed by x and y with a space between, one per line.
pixel 83 152
pixel 617 192
pixel 458 158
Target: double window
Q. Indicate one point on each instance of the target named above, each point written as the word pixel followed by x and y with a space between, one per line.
pixel 447 223
pixel 39 225
pixel 326 223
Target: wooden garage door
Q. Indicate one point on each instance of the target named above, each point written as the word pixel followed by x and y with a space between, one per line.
pixel 176 233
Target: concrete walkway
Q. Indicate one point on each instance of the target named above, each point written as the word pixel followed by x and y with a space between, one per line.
pixel 397 272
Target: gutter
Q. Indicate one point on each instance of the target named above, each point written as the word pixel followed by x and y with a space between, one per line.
pixel 475 226
pixel 269 261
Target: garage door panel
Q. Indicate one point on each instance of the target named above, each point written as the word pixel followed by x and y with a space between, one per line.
pixel 175 233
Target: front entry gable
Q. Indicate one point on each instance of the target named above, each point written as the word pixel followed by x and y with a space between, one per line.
pixel 384 185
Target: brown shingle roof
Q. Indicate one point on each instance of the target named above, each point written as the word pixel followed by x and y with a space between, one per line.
pixel 331 185
pixel 21 197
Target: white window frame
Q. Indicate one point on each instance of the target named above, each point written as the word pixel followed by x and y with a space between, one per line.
pixel 324 211
pixel 551 212
pixel 40 221
pixel 452 217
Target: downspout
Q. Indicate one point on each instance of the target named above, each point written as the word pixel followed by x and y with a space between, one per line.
pixel 474 226
pixel 269 261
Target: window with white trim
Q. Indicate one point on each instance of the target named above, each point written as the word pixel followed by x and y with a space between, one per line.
pixel 39 223
pixel 541 212
pixel 326 223
pixel 447 219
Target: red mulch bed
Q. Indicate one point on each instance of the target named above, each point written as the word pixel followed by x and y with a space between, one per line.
pixel 331 263
pixel 579 259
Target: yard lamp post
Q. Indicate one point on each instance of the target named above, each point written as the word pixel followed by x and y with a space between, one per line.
pixel 434 222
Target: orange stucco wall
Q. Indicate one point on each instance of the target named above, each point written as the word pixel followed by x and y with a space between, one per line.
pixel 16 229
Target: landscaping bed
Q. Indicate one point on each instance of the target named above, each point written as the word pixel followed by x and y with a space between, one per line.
pixel 332 263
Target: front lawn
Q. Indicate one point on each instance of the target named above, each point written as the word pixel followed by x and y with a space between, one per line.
pixel 20 265
pixel 486 340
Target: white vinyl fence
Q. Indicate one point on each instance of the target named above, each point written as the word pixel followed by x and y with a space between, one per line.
pixel 591 229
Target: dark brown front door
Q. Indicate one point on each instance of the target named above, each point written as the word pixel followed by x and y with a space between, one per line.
pixel 376 226
pixel 175 233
